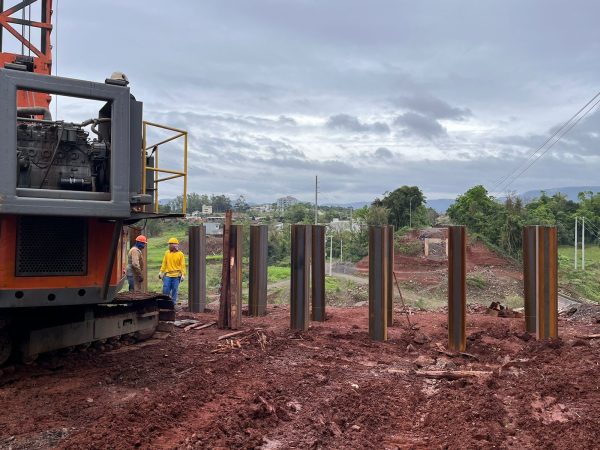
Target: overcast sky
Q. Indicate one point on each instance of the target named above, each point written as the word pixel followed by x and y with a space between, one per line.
pixel 368 95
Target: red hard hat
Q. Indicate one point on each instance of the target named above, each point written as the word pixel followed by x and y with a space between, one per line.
pixel 141 239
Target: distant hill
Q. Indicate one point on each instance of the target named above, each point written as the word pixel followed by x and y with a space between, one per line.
pixel 440 205
pixel 570 191
pixel 353 205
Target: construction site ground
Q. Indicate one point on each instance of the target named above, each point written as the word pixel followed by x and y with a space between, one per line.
pixel 330 387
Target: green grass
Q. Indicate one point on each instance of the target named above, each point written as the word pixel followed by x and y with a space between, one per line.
pixel 592 254
pixel 411 248
pixel 277 273
pixel 476 281
pixel 579 283
pixel 333 285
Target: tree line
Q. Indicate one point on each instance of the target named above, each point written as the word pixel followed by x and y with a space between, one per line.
pixel 220 203
pixel 500 222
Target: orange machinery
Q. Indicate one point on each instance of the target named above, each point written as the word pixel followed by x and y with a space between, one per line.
pixel 41 61
pixel 65 202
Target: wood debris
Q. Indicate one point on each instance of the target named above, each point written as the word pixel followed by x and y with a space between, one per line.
pixel 588 336
pixel 232 344
pixel 443 374
pixel 452 374
pixel 498 310
pixel 206 325
pixel 440 349
pixel 229 335
pixel 185 322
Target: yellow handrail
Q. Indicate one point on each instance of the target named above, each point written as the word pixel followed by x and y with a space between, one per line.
pixel 156 168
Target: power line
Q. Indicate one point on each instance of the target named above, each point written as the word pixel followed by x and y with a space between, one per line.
pixel 590 224
pixel 506 186
pixel 506 177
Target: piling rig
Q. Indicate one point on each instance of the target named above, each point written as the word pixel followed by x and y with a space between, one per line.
pixel 68 191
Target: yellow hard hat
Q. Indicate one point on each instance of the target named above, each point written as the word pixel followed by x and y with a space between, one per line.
pixel 173 241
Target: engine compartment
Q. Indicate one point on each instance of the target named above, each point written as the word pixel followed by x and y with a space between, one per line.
pixel 61 156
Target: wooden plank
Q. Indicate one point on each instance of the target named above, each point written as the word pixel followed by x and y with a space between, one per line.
pixel 206 325
pixel 235 333
pixel 588 336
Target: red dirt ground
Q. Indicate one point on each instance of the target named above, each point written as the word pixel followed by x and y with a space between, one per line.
pixel 331 387
pixel 432 271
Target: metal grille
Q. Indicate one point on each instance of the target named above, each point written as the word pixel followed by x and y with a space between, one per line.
pixel 51 246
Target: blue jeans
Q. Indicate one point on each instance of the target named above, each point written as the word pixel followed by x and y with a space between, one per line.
pixel 170 287
pixel 131 282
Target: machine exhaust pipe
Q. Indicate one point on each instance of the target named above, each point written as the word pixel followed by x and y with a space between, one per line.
pixel 34 111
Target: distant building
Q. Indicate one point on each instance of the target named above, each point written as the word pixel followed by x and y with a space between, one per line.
pixel 284 203
pixel 207 209
pixel 214 225
pixel 267 207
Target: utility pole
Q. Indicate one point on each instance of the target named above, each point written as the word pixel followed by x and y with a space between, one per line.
pixel 410 213
pixel 576 242
pixel 316 200
pixel 341 249
pixel 330 253
pixel 351 228
pixel 583 243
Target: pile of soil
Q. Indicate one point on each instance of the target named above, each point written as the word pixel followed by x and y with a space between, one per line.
pixel 432 271
pixel 331 387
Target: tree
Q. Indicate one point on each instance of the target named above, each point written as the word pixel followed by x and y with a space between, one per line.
pixel 164 208
pixel 298 213
pixel 220 203
pixel 377 216
pixel 432 216
pixel 194 202
pixel 511 236
pixel 279 246
pixel 402 203
pixel 479 212
pixel 240 204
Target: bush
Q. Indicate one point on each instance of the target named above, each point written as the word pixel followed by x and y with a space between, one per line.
pixel 409 248
pixel 476 282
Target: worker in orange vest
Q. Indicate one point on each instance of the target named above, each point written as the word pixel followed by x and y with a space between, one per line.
pixel 172 270
pixel 135 264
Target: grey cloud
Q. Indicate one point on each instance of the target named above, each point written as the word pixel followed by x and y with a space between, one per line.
pixel 430 106
pixel 262 79
pixel 346 122
pixel 419 125
pixel 582 139
pixel 287 121
pixel 383 153
pixel 189 119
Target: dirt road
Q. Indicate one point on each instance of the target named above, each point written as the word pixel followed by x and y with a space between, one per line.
pixel 331 387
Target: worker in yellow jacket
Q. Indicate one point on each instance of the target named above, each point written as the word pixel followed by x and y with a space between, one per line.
pixel 172 270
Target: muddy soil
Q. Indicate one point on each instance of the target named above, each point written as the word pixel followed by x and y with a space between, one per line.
pixel 331 387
